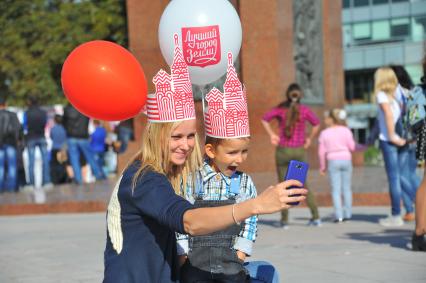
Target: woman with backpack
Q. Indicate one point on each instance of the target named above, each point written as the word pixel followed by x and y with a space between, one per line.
pixel 392 145
pixel 405 85
pixel 418 239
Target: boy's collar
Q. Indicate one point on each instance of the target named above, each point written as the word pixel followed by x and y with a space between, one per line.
pixel 208 172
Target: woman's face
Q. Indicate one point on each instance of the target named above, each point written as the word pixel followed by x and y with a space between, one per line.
pixel 182 142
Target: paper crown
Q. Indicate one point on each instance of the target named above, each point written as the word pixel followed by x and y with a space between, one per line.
pixel 226 114
pixel 172 100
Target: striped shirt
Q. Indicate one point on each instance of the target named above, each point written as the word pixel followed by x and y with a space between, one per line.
pixel 215 187
pixel 297 138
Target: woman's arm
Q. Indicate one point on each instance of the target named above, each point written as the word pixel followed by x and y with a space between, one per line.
pixel 275 139
pixel 393 137
pixel 314 132
pixel 201 221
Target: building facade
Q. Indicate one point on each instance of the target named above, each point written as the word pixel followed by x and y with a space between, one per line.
pixel 271 57
pixel 377 33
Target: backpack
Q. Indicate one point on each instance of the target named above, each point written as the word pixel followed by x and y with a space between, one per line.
pixel 415 113
pixel 10 128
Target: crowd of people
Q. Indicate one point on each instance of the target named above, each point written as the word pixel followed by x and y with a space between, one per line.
pixel 401 146
pixel 66 149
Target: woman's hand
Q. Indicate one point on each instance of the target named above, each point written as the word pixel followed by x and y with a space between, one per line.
pixel 278 197
pixel 398 141
pixel 181 260
pixel 275 139
pixel 323 173
pixel 307 143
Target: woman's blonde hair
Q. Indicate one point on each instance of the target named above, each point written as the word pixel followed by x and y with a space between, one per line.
pixel 155 154
pixel 385 80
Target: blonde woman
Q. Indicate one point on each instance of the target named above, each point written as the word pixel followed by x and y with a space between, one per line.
pixel 393 147
pixel 145 212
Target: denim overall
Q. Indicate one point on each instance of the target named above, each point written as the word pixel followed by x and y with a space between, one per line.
pixel 211 258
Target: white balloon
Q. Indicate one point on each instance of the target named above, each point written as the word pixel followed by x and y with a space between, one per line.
pixel 201 46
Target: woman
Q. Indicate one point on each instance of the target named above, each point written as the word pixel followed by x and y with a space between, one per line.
pixel 336 144
pixel 418 239
pixel 145 212
pixel 393 146
pixel 291 142
pixel 409 157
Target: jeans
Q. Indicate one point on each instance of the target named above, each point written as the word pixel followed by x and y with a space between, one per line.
pixel 75 146
pixel 42 145
pixel 100 160
pixel 413 179
pixel 124 135
pixel 397 169
pixel 262 272
pixel 8 157
pixel 340 175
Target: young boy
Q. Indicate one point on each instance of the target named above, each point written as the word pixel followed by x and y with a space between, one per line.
pixel 220 256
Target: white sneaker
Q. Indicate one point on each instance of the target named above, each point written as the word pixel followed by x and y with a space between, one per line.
pixel 28 189
pixel 392 221
pixel 48 187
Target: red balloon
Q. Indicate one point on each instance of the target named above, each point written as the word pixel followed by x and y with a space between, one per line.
pixel 104 81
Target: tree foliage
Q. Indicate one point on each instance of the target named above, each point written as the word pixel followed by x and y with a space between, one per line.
pixel 36 36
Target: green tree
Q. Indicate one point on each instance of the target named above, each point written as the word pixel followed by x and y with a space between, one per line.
pixel 36 36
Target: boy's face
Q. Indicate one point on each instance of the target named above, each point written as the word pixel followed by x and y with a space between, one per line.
pixel 228 155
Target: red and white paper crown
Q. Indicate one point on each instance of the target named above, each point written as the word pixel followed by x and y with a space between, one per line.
pixel 172 100
pixel 226 114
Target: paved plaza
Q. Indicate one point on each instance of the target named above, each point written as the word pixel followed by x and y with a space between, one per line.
pixel 69 248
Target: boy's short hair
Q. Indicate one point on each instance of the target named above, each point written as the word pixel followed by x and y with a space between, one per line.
pixel 217 141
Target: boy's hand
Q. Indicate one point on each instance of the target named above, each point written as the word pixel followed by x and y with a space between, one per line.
pixel 181 260
pixel 241 255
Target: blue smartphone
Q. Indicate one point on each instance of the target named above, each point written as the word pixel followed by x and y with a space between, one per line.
pixel 297 170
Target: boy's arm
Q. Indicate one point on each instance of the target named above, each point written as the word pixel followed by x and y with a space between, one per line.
pixel 248 233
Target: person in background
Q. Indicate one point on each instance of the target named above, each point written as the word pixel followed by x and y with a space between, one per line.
pixel 97 144
pixel 418 239
pixel 77 128
pixel 291 143
pixel 124 132
pixel 36 120
pixel 10 136
pixel 392 145
pixel 59 156
pixel 336 144
pixel 403 89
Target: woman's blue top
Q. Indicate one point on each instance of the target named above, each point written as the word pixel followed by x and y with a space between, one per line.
pixel 150 215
